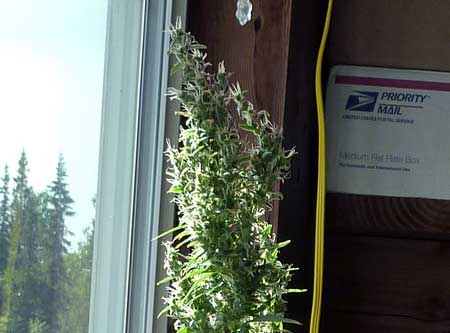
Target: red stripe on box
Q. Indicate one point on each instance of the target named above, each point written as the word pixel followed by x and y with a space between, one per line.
pixel 392 83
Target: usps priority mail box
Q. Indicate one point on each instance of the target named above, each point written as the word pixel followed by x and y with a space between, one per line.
pixel 388 132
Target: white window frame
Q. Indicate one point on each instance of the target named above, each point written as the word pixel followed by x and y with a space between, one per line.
pixel 132 205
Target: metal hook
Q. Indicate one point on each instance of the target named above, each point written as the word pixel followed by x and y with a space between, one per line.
pixel 244 11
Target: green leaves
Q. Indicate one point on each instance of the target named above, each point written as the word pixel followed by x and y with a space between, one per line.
pixel 283 244
pixel 276 319
pixel 222 264
pixel 248 128
pixel 176 189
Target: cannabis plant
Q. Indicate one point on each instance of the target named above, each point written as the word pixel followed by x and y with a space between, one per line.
pixel 222 265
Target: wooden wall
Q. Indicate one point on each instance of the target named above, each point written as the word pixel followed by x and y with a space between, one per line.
pixel 387 265
pixel 388 259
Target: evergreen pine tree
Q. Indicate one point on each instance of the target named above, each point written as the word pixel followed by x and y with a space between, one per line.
pixel 4 230
pixel 61 208
pixel 79 267
pixel 23 277
pixel 21 188
pixel 27 304
pixel 4 221
pixel 13 277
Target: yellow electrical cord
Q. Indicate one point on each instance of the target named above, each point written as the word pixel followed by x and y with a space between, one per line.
pixel 321 183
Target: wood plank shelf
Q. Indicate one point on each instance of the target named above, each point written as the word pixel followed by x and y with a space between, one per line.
pixel 388 216
pixel 374 323
pixel 401 279
pixel 411 34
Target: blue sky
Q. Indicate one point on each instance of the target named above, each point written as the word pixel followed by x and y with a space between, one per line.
pixel 51 79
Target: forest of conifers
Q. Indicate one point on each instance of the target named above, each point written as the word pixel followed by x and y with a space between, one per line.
pixel 44 281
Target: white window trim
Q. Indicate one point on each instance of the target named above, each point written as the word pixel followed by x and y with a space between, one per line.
pixel 132 206
pixel 153 211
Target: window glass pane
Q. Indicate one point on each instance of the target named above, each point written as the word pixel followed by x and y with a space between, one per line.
pixel 51 76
